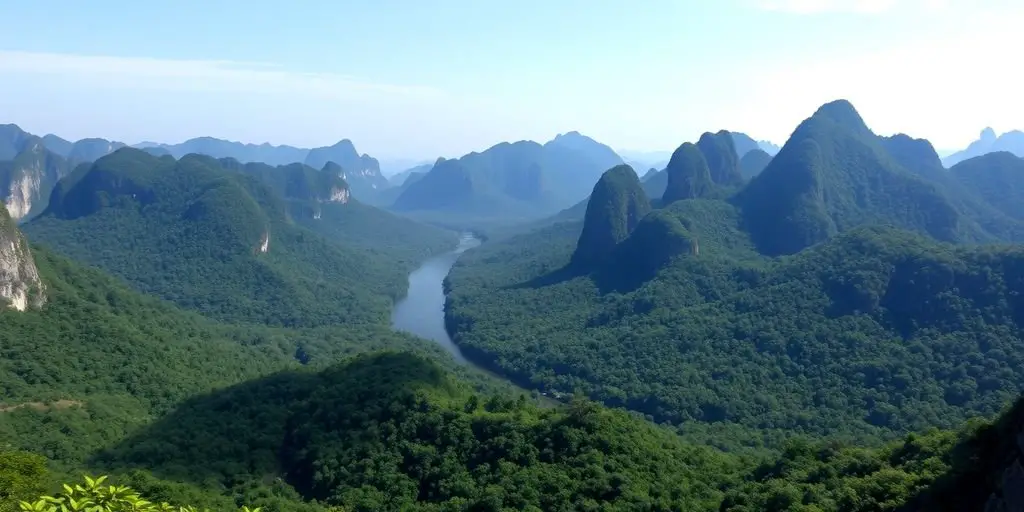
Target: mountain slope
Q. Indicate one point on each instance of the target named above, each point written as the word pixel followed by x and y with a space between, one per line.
pixel 689 176
pixel 834 174
pixel 997 178
pixel 320 202
pixel 361 172
pixel 753 162
pixel 577 161
pixel 615 208
pixel 212 240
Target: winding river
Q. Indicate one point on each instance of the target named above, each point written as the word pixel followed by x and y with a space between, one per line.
pixel 421 312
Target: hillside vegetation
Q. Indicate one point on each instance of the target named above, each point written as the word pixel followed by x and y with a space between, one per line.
pixel 869 328
pixel 222 242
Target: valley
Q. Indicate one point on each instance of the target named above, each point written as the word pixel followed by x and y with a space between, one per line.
pixel 222 333
pixel 421 311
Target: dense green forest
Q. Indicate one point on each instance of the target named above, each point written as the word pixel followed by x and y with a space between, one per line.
pixel 870 331
pixel 823 337
pixel 223 243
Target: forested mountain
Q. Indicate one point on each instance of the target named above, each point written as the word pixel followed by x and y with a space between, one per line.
pixel 220 148
pixel 1011 142
pixel 320 201
pixel 832 174
pixel 522 179
pixel 697 320
pixel 615 207
pixel 218 241
pixel 361 172
pixel 723 152
pixel 688 175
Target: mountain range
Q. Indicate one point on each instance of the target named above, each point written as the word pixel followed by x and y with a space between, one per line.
pixel 836 282
pixel 521 179
pixel 837 327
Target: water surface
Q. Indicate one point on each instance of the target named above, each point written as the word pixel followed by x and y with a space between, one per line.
pixel 421 312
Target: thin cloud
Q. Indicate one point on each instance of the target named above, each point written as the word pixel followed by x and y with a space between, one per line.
pixel 197 75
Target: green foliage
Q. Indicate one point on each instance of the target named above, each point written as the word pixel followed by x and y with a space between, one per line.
pixel 872 334
pixel 191 232
pixel 93 496
pixel 22 477
pixel 393 431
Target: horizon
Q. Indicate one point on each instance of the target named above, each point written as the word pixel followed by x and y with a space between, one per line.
pixel 907 66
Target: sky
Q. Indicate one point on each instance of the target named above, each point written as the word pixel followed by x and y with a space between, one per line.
pixel 420 79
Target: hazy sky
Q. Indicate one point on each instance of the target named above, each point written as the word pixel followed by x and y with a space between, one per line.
pixel 422 78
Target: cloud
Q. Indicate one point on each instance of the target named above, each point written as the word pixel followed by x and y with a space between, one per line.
pixel 848 6
pixel 196 75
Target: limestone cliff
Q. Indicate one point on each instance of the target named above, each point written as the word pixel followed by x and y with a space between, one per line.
pixel 20 285
pixel 26 181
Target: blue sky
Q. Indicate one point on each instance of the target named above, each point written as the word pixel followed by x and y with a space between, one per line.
pixel 420 79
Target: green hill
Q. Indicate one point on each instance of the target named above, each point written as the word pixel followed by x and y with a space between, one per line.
pixel 615 208
pixel 213 240
pixel 395 432
pixel 688 175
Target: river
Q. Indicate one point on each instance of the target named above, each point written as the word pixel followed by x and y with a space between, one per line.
pixel 421 312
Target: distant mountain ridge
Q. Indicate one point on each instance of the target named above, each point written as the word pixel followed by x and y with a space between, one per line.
pixel 521 179
pixel 988 142
pixel 361 171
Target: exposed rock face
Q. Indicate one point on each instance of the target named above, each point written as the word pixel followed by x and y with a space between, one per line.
pixel 339 195
pixel 26 181
pixel 616 206
pixel 23 190
pixel 20 285
pixel 265 242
